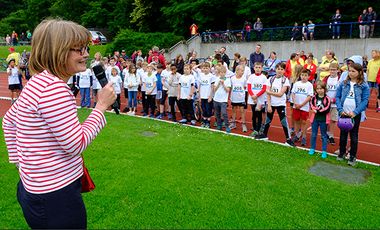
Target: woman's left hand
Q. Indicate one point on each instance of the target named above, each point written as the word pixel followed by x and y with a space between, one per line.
pixel 351 114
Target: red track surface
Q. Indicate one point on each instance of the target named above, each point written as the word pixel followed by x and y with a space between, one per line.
pixel 369 142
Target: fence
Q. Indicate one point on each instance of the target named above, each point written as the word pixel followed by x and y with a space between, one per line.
pixel 321 31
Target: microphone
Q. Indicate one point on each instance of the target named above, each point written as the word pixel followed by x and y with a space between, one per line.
pixel 101 76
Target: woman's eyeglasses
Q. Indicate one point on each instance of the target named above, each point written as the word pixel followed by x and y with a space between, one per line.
pixel 81 50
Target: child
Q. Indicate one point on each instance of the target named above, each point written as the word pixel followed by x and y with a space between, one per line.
pixel 172 85
pixel 159 68
pixel 276 99
pixel 131 82
pixel 150 84
pixel 85 83
pixel 222 87
pixel 13 80
pixel 124 75
pixel 332 82
pixel 293 79
pixel 141 73
pixel 206 81
pixel 320 117
pixel 256 86
pixel 164 76
pixel 186 90
pixel 301 94
pixel 238 85
pixel 352 97
pixel 116 79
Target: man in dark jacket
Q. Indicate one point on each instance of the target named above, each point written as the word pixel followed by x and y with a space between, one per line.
pixel 257 56
pixel 225 57
pixel 371 18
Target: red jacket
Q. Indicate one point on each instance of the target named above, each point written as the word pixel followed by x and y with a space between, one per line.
pixel 313 70
pixel 157 57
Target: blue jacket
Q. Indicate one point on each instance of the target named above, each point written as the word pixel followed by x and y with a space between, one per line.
pixel 361 97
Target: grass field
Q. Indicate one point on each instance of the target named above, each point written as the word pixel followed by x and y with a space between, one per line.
pixel 190 178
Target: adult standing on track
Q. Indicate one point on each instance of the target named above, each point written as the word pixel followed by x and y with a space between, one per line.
pixel 51 170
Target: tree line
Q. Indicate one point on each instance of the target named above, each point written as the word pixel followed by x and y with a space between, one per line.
pixel 172 15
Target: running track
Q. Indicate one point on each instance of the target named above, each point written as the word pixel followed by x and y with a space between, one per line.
pixel 369 142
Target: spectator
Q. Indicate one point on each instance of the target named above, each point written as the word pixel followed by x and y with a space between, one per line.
pixel 13 55
pixel 14 38
pixel 325 64
pixel 258 27
pixel 291 65
pixel 312 67
pixel 179 63
pixel 29 35
pixel 225 57
pixel 193 29
pixel 236 61
pixel 157 57
pixel 335 24
pixel 256 56
pixel 310 28
pixel 124 55
pixel 295 32
pixel 247 31
pixel 8 40
pixel 363 24
pixel 371 19
pixel 372 68
pixel 270 64
pixel 365 63
pixel 303 56
pixel 192 57
pixel 305 31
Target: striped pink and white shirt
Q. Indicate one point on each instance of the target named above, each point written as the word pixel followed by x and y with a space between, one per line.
pixel 44 137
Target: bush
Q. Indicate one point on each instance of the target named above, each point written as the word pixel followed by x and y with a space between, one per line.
pixel 130 41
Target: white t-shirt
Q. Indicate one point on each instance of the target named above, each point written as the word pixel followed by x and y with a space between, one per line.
pixel 257 84
pixel 238 89
pixel 116 83
pixel 205 83
pixel 301 91
pixel 140 73
pixel 349 104
pixel 131 79
pixel 164 76
pixel 247 72
pixel 13 77
pixel 332 85
pixel 186 81
pixel 95 83
pixel 149 81
pixel 221 95
pixel 85 79
pixel 172 81
pixel 109 70
pixel 276 87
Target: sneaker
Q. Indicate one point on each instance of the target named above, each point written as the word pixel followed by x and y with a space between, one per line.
pixel 352 162
pixel 290 142
pixel 324 155
pixel 193 122
pixel 183 121
pixel 159 116
pixel 261 137
pixel 228 130
pixel 331 140
pixel 295 139
pixel 254 133
pixel 219 127
pixel 311 152
pixel 170 116
pixel 303 142
pixel 144 114
pixel 133 113
pixel 126 110
pixel 232 125
pixel 151 116
pixel 244 128
pixel 207 125
pixel 339 158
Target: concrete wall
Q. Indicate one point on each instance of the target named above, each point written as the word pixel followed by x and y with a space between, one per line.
pixel 343 48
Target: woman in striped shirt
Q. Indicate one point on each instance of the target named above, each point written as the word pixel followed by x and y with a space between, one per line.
pixel 42 132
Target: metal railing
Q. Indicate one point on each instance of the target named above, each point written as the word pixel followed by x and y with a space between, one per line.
pixel 321 32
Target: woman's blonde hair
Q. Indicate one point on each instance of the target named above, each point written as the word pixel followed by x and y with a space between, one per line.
pixel 297 73
pixel 51 44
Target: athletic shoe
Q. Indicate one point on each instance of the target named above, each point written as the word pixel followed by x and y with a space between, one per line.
pixel 290 142
pixel 339 158
pixel 144 114
pixel 228 130
pixel 126 109
pixel 232 125
pixel 352 162
pixel 303 142
pixel 324 155
pixel 159 116
pixel 193 122
pixel 331 140
pixel 170 116
pixel 295 139
pixel 254 133
pixel 219 127
pixel 133 113
pixel 183 121
pixel 207 125
pixel 311 152
pixel 261 137
pixel 244 127
pixel 151 116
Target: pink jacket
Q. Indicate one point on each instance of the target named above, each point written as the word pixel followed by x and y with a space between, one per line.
pixel 325 109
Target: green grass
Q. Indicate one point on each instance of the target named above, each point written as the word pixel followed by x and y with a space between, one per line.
pixel 191 178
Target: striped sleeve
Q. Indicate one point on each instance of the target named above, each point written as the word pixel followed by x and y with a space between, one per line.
pixel 57 107
pixel 9 128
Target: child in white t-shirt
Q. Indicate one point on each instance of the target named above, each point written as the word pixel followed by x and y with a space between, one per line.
pixel 222 87
pixel 332 82
pixel 206 81
pixel 140 72
pixel 186 88
pixel 149 82
pixel 172 85
pixel 131 82
pixel 117 83
pixel 238 85
pixel 276 99
pixel 256 86
pixel 13 80
pixel 85 83
pixel 302 92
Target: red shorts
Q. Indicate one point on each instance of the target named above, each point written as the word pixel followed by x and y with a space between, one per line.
pixel 300 115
